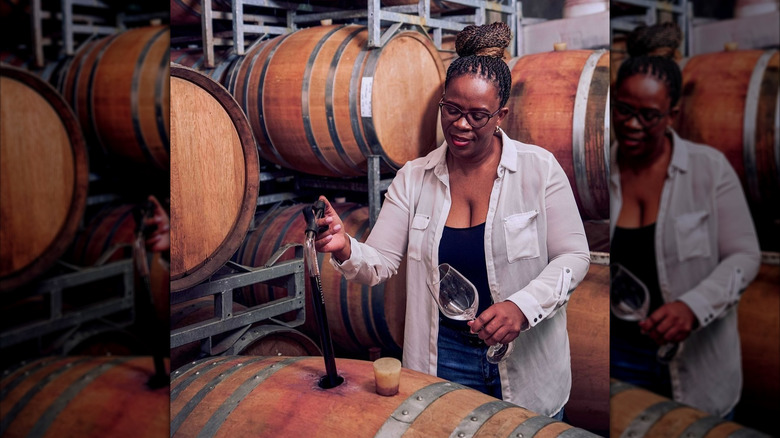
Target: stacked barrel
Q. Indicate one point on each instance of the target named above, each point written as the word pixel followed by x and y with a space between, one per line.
pixel 281 395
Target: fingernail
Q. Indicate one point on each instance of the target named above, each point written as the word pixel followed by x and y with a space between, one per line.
pixel 337 228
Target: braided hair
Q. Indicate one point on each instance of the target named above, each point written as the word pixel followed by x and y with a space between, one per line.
pixel 662 68
pixel 659 39
pixel 481 52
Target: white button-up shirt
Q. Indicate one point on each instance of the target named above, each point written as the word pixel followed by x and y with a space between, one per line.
pixel 706 254
pixel 535 249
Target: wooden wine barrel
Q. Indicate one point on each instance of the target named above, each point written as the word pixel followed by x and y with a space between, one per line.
pixel 731 101
pixel 559 101
pixel 759 331
pixel 275 340
pixel 587 316
pixel 225 63
pixel 214 177
pixel 43 177
pixel 111 229
pixel 258 340
pixel 320 101
pixel 638 412
pixel 190 313
pixel 51 71
pixel 359 316
pixel 83 396
pixel 118 86
pixel 258 396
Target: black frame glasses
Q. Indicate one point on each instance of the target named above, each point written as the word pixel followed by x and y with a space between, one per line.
pixel 469 115
pixel 648 117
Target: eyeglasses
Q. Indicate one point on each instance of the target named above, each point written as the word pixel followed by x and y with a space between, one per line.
pixel 477 119
pixel 648 117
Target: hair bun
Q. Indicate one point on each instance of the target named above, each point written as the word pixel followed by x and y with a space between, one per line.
pixel 659 39
pixel 486 40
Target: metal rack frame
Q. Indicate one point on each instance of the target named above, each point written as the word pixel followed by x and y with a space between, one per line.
pixel 76 24
pixel 288 274
pixel 58 319
pixel 683 9
pixel 374 185
pixel 374 14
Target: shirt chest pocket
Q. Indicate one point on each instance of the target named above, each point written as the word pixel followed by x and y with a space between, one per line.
pixel 692 233
pixel 522 238
pixel 419 225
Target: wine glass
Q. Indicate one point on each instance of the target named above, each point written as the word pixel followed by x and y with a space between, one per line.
pixel 458 299
pixel 629 300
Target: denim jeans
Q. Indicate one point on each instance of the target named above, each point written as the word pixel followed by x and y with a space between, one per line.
pixel 638 366
pixel 462 360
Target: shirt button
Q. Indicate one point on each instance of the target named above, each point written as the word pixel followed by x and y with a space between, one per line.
pixel 540 316
pixel 535 319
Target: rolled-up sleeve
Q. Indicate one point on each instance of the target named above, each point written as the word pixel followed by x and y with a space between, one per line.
pixel 379 257
pixel 567 251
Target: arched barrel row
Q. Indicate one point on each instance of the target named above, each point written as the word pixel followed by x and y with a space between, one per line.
pixel 320 101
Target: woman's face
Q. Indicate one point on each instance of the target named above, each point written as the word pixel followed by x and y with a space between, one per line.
pixel 641 112
pixel 478 96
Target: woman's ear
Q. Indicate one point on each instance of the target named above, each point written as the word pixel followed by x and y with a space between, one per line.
pixel 501 114
pixel 674 114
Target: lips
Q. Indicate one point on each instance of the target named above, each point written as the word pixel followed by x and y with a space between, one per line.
pixel 459 141
pixel 628 140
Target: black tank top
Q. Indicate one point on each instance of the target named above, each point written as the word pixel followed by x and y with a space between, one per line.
pixel 634 249
pixel 464 250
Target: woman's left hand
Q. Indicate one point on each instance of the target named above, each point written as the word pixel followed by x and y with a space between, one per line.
pixel 499 323
pixel 672 322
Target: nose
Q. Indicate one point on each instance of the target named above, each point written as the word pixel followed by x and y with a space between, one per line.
pixel 633 122
pixel 462 123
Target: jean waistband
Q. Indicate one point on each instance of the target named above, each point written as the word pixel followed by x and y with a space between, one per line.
pixel 465 335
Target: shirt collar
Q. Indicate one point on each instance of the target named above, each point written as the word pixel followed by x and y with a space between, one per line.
pixel 679 156
pixel 679 152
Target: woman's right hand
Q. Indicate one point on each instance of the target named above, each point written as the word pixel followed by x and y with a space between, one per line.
pixel 333 240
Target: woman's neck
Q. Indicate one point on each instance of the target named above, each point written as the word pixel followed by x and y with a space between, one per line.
pixel 486 162
pixel 658 157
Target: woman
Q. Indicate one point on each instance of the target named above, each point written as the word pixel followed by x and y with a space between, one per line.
pixel 501 212
pixel 680 224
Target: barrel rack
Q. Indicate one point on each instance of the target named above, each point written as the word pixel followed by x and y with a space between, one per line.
pixel 374 185
pixel 288 274
pixel 113 312
pixel 374 14
pixel 85 18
